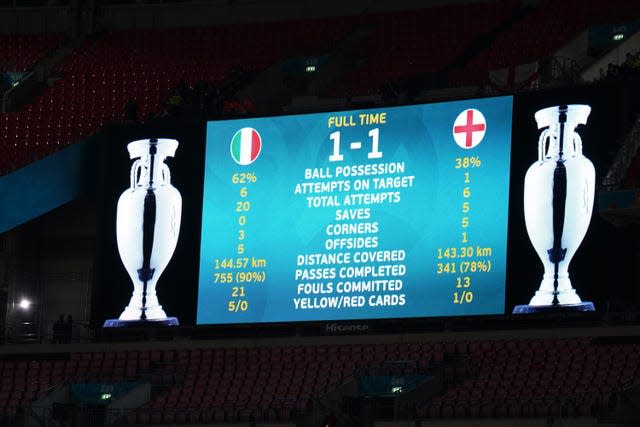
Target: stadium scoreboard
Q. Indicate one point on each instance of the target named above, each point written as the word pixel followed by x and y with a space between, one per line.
pixel 379 213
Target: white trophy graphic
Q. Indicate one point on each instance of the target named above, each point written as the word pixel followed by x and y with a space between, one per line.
pixel 147 228
pixel 558 201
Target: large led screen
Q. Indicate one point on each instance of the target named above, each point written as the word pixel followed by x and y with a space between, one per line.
pixel 382 213
pixel 377 214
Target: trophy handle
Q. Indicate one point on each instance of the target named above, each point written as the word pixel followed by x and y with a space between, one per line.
pixel 165 174
pixel 139 171
pixel 136 173
pixel 541 145
pixel 577 143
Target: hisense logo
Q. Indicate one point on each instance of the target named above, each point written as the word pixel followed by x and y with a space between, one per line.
pixel 338 328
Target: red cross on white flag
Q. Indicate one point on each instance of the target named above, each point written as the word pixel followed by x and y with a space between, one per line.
pixel 469 128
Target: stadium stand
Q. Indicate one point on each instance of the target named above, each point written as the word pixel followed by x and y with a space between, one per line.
pixel 291 384
pixel 107 70
pixel 418 42
pixel 565 377
pixel 538 32
pixel 20 52
pixel 540 378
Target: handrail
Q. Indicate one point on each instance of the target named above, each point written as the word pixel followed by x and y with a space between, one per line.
pixel 5 100
pixel 621 162
pixel 6 96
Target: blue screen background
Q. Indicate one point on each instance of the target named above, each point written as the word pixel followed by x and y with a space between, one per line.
pixel 280 225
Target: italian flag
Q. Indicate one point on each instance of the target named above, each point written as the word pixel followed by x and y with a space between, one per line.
pixel 245 146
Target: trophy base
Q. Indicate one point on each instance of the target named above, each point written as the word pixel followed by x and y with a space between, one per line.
pixel 558 308
pixel 117 323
